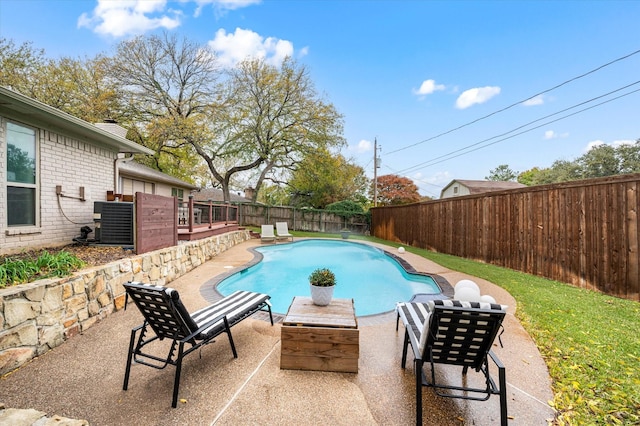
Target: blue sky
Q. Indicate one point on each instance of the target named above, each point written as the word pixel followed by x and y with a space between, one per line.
pixel 407 73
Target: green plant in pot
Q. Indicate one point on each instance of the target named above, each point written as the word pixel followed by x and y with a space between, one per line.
pixel 322 282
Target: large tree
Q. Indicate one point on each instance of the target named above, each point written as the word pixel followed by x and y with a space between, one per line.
pixel 272 118
pixel 252 121
pixel 169 88
pixel 395 190
pixel 18 64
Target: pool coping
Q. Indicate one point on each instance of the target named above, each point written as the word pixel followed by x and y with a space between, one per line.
pixel 209 289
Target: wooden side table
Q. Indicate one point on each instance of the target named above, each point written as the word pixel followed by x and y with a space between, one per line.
pixel 324 338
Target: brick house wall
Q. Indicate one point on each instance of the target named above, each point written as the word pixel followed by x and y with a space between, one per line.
pixel 68 153
pixel 70 163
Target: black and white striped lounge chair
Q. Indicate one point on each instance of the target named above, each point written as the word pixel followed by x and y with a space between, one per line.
pixel 456 333
pixel 165 317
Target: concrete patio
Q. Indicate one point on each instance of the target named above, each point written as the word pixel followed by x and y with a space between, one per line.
pixel 82 379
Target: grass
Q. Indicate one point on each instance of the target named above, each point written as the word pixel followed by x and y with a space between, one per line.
pixel 46 265
pixel 589 341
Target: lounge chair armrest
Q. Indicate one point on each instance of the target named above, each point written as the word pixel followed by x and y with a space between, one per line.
pixel 207 325
pixel 496 360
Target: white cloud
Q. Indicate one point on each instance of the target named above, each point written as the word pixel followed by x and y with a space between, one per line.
pixel 235 47
pixel 432 185
pixel 440 178
pixel 428 87
pixel 224 5
pixel 536 100
pixel 614 144
pixel 551 134
pixel 131 17
pixel 476 95
pixel 594 144
pixel 621 142
pixel 122 18
pixel 362 147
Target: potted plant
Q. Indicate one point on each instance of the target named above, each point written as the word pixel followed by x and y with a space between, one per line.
pixel 321 282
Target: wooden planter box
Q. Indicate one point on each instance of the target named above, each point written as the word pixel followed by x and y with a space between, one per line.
pixel 324 338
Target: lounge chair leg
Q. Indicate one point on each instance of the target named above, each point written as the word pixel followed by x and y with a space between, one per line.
pixel 503 396
pixel 176 382
pixel 418 372
pixel 127 371
pixel 228 331
pixel 270 315
pixel 404 348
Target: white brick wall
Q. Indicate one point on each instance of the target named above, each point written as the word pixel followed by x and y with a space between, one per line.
pixel 70 163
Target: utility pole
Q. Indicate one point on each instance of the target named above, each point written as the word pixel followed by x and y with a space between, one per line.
pixel 375 172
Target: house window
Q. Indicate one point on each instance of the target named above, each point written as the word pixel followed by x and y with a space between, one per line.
pixel 21 175
pixel 455 189
pixel 176 192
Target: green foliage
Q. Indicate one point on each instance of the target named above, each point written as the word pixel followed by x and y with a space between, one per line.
pixel 502 173
pixel 79 87
pixel 348 209
pixel 323 178
pixel 345 207
pixel 602 160
pixel 47 265
pixel 322 277
pixel 273 195
pixel 18 63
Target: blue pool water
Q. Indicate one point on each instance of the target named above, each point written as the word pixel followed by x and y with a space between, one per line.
pixel 366 274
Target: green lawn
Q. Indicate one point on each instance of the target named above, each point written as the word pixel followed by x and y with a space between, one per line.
pixel 590 341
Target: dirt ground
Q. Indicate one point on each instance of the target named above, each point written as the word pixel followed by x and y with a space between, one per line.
pixel 91 255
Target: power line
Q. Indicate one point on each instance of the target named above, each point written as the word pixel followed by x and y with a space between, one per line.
pixel 450 156
pixel 517 103
pixel 522 126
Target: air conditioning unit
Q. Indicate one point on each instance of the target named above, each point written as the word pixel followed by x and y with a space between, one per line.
pixel 113 223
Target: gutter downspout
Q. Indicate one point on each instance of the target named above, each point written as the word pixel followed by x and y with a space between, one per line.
pixel 116 171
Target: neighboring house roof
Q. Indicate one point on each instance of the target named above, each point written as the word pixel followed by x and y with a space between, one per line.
pixel 481 186
pixel 213 194
pixel 137 170
pixel 18 107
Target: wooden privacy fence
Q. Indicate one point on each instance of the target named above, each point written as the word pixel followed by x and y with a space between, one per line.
pixel 584 233
pixel 156 219
pixel 300 219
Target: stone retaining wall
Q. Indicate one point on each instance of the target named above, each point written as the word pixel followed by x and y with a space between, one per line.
pixel 39 316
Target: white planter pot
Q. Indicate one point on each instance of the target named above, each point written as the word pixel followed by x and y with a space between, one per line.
pixel 321 296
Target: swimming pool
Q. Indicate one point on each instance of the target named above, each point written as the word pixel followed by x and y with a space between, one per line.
pixel 366 274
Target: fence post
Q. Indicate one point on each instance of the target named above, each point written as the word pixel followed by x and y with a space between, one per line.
pixel 190 213
pixel 210 213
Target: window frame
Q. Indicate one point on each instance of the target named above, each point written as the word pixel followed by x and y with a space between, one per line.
pixel 178 193
pixel 35 186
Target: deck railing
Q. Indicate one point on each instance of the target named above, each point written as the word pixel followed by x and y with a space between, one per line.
pixel 205 213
